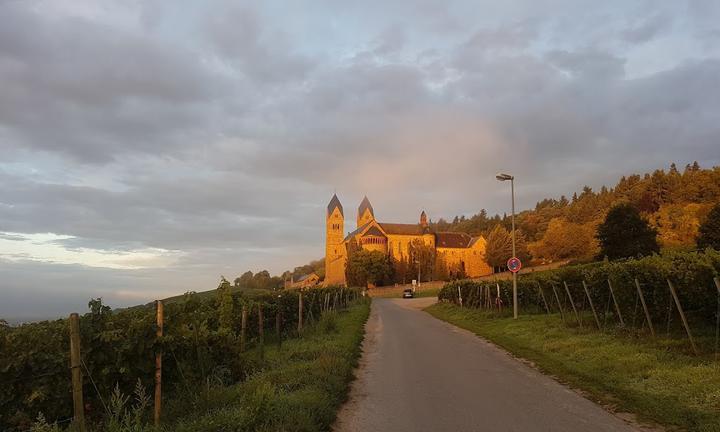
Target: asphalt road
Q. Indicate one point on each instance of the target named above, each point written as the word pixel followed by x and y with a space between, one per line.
pixel 419 374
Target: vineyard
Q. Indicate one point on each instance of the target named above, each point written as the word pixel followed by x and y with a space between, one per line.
pixel 206 339
pixel 675 296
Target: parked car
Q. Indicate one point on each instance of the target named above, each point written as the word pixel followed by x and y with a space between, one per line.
pixel 408 293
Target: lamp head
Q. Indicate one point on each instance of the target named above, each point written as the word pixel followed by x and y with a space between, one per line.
pixel 503 177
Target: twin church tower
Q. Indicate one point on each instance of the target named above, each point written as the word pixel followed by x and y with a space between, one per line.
pixel 459 251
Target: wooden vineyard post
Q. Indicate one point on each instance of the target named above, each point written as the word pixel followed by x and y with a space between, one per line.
pixel 644 305
pixel 78 407
pixel 617 306
pixel 572 303
pixel 261 328
pixel 300 312
pixel 682 316
pixel 542 295
pixel 592 306
pixel 557 298
pixel 243 328
pixel 158 365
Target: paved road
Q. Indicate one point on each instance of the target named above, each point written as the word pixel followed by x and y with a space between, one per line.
pixel 421 374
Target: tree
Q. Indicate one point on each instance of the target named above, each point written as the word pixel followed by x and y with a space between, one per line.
pixel 498 248
pixel 262 280
pixel 244 281
pixel 566 240
pixel 401 270
pixel 226 304
pixel 677 225
pixel 368 267
pixel 422 259
pixel 624 233
pixel 710 230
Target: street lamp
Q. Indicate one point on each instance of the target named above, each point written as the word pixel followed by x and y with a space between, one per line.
pixel 506 177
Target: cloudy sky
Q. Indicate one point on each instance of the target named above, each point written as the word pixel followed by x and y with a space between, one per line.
pixel 147 147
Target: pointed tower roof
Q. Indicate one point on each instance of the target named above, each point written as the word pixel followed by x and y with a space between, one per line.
pixel 334 202
pixel 365 204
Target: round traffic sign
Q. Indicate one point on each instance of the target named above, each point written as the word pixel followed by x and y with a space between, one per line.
pixel 514 264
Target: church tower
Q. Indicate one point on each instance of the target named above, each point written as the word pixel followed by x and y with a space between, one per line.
pixel 335 252
pixel 365 212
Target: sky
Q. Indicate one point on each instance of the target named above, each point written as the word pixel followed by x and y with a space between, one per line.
pixel 148 147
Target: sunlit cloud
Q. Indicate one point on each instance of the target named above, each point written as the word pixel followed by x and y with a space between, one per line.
pixel 49 248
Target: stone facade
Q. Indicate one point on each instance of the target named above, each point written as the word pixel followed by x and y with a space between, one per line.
pixel 459 250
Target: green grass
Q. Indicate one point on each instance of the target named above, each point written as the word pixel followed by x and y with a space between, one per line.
pixel 297 387
pixel 428 293
pixel 654 381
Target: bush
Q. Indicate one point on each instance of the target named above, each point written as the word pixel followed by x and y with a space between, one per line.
pixel 118 349
pixel 709 232
pixel 692 274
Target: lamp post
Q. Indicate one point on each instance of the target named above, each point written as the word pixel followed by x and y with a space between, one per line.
pixel 506 177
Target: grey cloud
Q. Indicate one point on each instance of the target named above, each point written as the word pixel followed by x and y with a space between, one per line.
pixel 647 28
pixel 92 92
pixel 596 65
pixel 171 216
pixel 247 43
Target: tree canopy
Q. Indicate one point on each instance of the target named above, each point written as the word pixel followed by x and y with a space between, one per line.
pixel 624 234
pixel 368 267
pixel 709 231
pixel 422 258
pixel 498 248
pixel 566 240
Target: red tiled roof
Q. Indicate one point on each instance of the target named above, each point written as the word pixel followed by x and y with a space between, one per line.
pixel 374 231
pixel 452 240
pixel 403 229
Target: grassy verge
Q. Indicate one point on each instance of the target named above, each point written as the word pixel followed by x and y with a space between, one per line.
pixel 662 386
pixel 298 387
pixel 433 292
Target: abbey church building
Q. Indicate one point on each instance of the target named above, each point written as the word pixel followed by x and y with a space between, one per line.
pixel 459 250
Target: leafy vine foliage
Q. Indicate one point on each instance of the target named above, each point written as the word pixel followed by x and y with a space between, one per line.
pixel 692 274
pixel 201 342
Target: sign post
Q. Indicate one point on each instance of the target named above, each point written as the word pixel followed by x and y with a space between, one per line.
pixel 514 265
